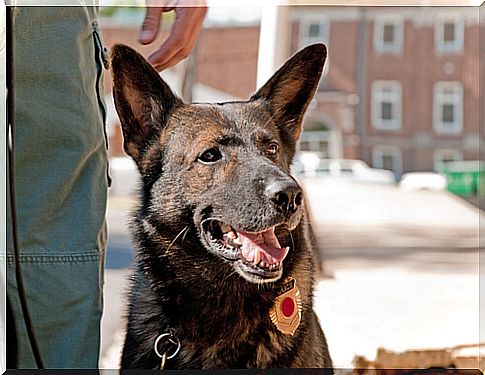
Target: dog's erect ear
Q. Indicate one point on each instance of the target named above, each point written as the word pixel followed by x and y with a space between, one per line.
pixel 289 91
pixel 142 99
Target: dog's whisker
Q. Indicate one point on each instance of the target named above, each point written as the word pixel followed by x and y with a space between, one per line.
pixel 185 229
pixel 228 276
pixel 185 234
pixel 292 240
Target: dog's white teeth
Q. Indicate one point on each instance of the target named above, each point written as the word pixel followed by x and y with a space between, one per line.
pixel 287 248
pixel 225 228
pixel 257 256
pixel 231 235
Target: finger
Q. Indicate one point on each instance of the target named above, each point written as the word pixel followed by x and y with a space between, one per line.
pixel 173 60
pixel 166 51
pixel 182 39
pixel 162 60
pixel 151 25
pixel 179 38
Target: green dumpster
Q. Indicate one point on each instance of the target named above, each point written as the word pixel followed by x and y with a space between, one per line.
pixel 465 178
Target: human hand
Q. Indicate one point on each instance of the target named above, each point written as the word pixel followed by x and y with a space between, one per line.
pixel 189 16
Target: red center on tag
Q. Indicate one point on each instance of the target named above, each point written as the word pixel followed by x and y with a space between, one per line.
pixel 288 307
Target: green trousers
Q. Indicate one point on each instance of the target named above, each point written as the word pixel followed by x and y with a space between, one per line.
pixel 60 183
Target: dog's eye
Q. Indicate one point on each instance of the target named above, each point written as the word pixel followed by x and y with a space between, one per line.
pixel 272 149
pixel 210 156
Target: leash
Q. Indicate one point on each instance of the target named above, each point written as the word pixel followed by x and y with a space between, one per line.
pixel 170 344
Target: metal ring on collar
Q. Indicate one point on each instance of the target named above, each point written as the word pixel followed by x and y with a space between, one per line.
pixel 170 337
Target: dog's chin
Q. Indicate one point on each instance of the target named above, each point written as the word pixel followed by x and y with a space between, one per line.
pixel 256 256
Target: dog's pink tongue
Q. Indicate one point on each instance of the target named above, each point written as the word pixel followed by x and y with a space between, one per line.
pixel 263 244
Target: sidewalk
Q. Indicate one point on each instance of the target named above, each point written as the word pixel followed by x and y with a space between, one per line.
pixel 361 311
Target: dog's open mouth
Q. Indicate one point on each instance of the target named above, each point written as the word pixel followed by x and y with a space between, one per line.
pixel 257 255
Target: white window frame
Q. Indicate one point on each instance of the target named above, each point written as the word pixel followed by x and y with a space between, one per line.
pixel 315 138
pixel 378 95
pixel 440 153
pixel 379 151
pixel 440 98
pixel 304 23
pixel 379 24
pixel 303 40
pixel 447 47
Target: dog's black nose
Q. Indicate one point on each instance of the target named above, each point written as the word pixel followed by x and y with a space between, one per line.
pixel 286 194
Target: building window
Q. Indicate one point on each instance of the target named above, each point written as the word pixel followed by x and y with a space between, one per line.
pixel 386 105
pixel 314 28
pixel 449 34
pixel 388 34
pixel 448 107
pixel 441 156
pixel 387 157
pixel 315 141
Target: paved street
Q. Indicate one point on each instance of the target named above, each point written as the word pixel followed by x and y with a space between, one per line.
pixel 404 270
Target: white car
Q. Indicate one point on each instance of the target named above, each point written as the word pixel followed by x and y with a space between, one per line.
pixel 342 169
pixel 413 181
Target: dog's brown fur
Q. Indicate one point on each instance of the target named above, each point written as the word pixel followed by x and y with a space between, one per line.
pixel 204 161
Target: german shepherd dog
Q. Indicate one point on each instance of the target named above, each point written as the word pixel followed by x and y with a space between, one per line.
pixel 224 265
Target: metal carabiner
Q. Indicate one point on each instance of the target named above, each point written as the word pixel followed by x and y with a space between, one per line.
pixel 170 337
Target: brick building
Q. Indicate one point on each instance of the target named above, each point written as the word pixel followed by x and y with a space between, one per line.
pixel 400 89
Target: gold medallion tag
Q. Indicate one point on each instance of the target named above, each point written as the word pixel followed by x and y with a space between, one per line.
pixel 286 311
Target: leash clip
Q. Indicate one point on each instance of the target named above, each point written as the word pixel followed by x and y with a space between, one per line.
pixel 168 339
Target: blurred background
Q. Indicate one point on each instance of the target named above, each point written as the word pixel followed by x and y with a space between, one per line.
pixel 389 159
